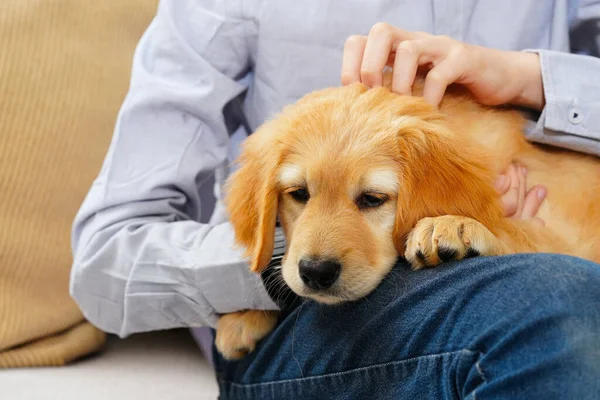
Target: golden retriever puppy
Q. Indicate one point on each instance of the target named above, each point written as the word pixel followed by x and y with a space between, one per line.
pixel 358 177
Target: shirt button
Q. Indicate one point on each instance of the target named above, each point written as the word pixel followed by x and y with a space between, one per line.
pixel 575 116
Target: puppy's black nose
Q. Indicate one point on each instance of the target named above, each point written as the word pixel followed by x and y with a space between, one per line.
pixel 319 275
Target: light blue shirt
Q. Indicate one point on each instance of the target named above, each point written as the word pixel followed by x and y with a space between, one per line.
pixel 152 245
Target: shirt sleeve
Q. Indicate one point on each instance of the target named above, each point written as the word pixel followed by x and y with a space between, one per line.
pixel 571 116
pixel 142 261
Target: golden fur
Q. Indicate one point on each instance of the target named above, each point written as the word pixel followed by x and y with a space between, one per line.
pixel 436 169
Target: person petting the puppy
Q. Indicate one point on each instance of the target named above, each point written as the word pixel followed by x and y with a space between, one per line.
pixel 153 248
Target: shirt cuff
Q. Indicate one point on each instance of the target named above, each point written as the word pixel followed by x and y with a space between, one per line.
pixel 228 284
pixel 571 116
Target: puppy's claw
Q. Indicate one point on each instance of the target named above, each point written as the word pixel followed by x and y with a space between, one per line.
pixel 471 252
pixel 447 254
pixel 447 238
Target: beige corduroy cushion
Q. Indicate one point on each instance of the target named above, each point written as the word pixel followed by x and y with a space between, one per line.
pixel 64 72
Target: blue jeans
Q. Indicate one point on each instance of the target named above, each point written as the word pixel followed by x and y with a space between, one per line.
pixel 513 327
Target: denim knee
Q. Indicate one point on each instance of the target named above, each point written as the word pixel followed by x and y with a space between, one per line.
pixel 531 319
pixel 544 336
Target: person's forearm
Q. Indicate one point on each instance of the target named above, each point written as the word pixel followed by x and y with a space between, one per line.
pixel 149 275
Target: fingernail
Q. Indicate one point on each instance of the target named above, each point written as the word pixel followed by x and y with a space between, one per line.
pixel 524 170
pixel 541 193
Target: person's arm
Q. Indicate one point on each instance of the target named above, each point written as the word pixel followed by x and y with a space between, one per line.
pixel 142 262
pixel 571 87
pixel 564 87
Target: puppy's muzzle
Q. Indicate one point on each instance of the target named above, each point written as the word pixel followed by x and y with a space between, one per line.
pixel 319 274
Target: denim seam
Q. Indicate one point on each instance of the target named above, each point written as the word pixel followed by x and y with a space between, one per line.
pixel 477 363
pixel 251 385
pixel 480 372
pixel 478 369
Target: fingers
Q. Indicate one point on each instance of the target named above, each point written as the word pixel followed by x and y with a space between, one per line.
pixel 510 198
pixel 522 189
pixel 449 70
pixel 381 42
pixel 533 200
pixel 354 48
pixel 486 72
pixel 410 55
pixel 408 51
pixel 538 221
pixel 365 57
pixel 502 184
pixel 516 200
pixel 405 68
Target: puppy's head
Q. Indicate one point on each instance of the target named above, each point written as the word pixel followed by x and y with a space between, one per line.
pixel 349 171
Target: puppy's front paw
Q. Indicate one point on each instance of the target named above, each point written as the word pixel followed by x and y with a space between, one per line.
pixel 238 333
pixel 439 239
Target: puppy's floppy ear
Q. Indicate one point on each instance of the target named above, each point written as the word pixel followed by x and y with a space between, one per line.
pixel 441 176
pixel 252 195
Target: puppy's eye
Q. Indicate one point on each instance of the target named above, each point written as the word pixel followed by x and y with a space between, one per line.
pixel 368 200
pixel 301 195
